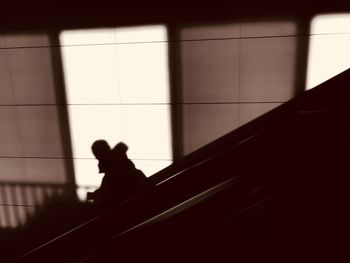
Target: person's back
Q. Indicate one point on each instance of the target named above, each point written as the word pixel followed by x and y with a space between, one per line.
pixel 121 180
pixel 133 179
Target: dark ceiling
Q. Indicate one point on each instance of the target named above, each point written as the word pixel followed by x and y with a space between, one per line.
pixel 43 14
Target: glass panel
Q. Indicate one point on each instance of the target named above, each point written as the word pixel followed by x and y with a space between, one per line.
pixel 91 74
pixel 143 73
pixel 129 72
pixel 136 34
pixel 88 36
pixel 146 131
pixel 86 172
pixel 329 52
pixel 150 167
pixel 331 24
pixel 93 122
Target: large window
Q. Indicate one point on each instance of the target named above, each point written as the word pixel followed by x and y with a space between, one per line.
pixel 329 52
pixel 117 86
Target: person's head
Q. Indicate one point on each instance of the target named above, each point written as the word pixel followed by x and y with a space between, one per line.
pixel 100 149
pixel 121 148
pixel 119 151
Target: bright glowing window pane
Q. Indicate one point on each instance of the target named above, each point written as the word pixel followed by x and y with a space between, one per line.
pixel 86 172
pixel 143 73
pixel 146 131
pixel 141 34
pixel 89 123
pixel 105 69
pixel 90 74
pixel 150 167
pixel 88 36
pixel 331 24
pixel 329 52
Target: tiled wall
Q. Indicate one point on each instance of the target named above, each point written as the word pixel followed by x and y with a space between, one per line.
pixel 34 153
pixel 231 73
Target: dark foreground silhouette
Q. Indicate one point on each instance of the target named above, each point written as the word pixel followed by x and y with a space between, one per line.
pixel 121 180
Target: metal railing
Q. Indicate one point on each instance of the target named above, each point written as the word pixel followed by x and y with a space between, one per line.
pixel 20 200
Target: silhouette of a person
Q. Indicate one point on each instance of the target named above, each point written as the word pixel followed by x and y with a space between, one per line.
pixel 121 179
